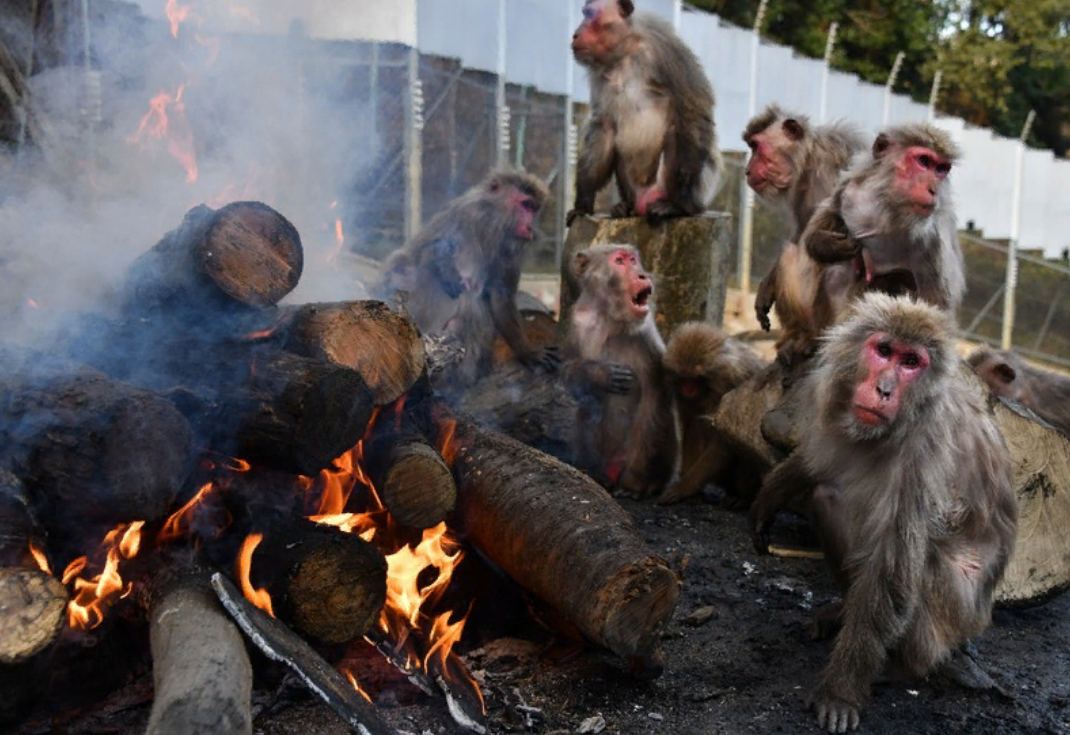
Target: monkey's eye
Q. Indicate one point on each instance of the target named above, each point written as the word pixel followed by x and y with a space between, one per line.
pixel 925 160
pixel 528 204
pixel 884 349
pixel 911 360
pixel 588 12
pixel 943 168
pixel 752 144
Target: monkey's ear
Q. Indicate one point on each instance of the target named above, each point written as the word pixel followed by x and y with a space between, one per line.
pixel 1005 372
pixel 794 129
pixel 626 8
pixel 881 145
pixel 580 261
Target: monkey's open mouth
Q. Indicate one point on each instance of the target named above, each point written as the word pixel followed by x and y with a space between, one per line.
pixel 641 300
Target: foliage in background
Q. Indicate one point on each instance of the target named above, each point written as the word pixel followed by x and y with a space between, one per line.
pixel 1000 58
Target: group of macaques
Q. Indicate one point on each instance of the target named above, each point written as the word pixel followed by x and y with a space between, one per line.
pixel 900 469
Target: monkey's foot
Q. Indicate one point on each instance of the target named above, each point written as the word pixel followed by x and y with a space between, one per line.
pixel 574 213
pixel 827 621
pixel 834 714
pixel 662 209
pixel 962 669
pixel 622 209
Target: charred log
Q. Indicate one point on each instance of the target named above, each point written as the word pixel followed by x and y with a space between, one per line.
pixel 33 608
pixel 18 527
pixel 244 254
pixel 201 670
pixel 560 536
pixel 324 582
pixel 411 478
pixel 379 343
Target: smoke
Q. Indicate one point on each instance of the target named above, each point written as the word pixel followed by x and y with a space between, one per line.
pixel 271 117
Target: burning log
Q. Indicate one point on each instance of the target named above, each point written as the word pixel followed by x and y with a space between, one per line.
pixel 324 582
pixel 413 481
pixel 17 524
pixel 202 674
pixel 288 412
pixel 559 535
pixel 379 343
pixel 245 253
pixel 91 449
pixel 280 644
pixel 33 608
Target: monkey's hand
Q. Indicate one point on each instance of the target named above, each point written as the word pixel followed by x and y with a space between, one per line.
pixel 547 357
pixel 761 520
pixel 763 304
pixel 622 209
pixel 620 379
pixel 828 241
pixel 835 713
pixel 662 209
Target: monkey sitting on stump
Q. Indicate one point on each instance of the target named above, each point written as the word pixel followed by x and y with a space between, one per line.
pixel 909 485
pixel 1044 393
pixel 795 165
pixel 702 364
pixel 626 435
pixel 651 121
pixel 462 272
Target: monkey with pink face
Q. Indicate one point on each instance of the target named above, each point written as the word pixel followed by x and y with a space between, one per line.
pixel 626 430
pixel 651 122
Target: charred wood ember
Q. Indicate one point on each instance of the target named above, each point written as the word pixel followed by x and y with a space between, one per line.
pixel 280 644
pixel 201 671
pixel 244 254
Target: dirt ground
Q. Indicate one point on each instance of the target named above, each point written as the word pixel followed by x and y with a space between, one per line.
pixel 738 660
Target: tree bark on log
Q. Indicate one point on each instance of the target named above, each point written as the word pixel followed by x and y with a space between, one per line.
pixel 201 670
pixel 382 345
pixel 560 536
pixel 1040 458
pixel 324 582
pixel 243 254
pixel 33 609
pixel 90 449
pixel 410 476
pixel 689 257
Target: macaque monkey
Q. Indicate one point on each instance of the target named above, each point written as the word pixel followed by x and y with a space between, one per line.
pixel 702 364
pixel 891 215
pixel 626 432
pixel 463 270
pixel 795 165
pixel 1044 393
pixel 908 482
pixel 651 121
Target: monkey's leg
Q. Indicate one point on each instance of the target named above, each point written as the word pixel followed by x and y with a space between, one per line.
pixel 788 484
pixel 766 296
pixel 626 206
pixel 685 158
pixel 597 161
pixel 697 470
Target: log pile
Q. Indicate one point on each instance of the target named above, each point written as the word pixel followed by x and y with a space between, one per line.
pixel 206 433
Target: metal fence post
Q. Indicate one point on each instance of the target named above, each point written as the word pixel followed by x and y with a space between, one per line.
pixel 830 44
pixel 934 94
pixel 746 230
pixel 414 125
pixel 888 87
pixel 568 154
pixel 501 109
pixel 1012 248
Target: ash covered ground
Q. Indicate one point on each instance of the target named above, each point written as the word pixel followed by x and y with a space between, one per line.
pixel 739 659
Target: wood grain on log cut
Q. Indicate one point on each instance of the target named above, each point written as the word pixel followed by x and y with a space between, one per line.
pixel 324 582
pixel 245 253
pixel 689 257
pixel 288 412
pixel 91 449
pixel 411 478
pixel 1040 461
pixel 201 671
pixel 560 536
pixel 379 343
pixel 33 609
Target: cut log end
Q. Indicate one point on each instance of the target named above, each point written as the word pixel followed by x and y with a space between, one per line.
pixel 418 487
pixel 252 253
pixel 33 607
pixel 637 627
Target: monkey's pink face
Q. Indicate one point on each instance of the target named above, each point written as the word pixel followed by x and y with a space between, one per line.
pixel 599 33
pixel 526 209
pixel 639 287
pixel 891 368
pixel 767 166
pixel 919 172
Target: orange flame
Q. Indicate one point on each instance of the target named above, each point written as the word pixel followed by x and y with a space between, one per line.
pixel 177 15
pixel 339 241
pixel 353 681
pixel 258 597
pixel 40 558
pixel 178 525
pixel 157 124
pixel 446 446
pixel 93 596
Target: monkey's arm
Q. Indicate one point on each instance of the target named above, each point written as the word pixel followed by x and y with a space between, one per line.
pixel 596 163
pixel 598 377
pixel 766 296
pixel 826 238
pixel 439 261
pixel 507 321
pixel 787 483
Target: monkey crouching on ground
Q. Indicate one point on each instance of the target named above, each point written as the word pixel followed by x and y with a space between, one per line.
pixel 795 165
pixel 1044 393
pixel 702 364
pixel 651 122
pixel 909 485
pixel 462 272
pixel 626 436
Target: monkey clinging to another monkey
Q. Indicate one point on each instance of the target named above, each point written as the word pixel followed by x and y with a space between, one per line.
pixel 651 121
pixel 626 432
pixel 909 485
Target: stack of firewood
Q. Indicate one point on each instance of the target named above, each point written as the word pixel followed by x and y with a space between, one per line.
pixel 194 360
